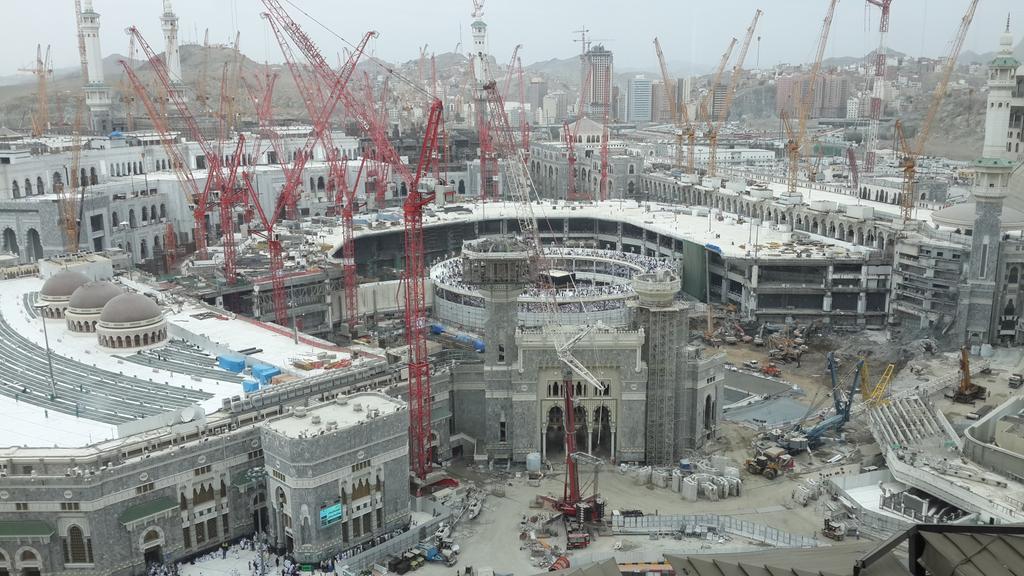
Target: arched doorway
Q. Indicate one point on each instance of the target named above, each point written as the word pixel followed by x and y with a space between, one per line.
pixel 11 241
pixel 582 427
pixel 35 245
pixel 554 432
pixel 260 516
pixel 29 563
pixel 709 415
pixel 601 437
pixel 152 547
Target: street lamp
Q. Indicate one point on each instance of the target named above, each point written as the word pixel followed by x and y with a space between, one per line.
pixel 40 307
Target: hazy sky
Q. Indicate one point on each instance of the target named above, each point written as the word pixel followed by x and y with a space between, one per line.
pixel 689 30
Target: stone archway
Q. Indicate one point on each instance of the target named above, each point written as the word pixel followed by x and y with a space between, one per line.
pixel 554 432
pixel 10 241
pixel 30 563
pixel 34 246
pixel 601 437
pixel 151 544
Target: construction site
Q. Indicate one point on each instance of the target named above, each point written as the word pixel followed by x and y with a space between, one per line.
pixel 364 317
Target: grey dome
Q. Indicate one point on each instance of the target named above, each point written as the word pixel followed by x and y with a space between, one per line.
pixel 63 284
pixel 962 216
pixel 94 295
pixel 129 307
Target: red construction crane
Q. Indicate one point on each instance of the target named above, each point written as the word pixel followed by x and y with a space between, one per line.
pixel 878 85
pixel 571 132
pixel 346 199
pixel 414 274
pixel 213 154
pixel 680 116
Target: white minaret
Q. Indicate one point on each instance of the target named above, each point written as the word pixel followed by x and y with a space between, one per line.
pixel 97 93
pixel 479 52
pixel 91 29
pixel 169 23
pixel 1001 83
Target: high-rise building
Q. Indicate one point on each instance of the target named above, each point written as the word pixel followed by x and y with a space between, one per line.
pixel 535 92
pixel 97 93
pixel 555 108
pixel 684 89
pixel 598 60
pixel 659 106
pixel 639 107
pixel 718 100
pixel 830 93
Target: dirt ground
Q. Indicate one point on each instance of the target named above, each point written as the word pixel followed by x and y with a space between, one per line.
pixel 493 538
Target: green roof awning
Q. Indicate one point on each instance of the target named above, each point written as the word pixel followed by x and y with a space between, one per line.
pixel 24 528
pixel 146 509
pixel 247 477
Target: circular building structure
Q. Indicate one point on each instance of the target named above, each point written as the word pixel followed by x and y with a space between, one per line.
pixel 590 285
pixel 130 321
pixel 57 290
pixel 86 305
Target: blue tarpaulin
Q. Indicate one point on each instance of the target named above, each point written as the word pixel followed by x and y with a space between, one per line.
pixel 264 372
pixel 249 386
pixel 231 363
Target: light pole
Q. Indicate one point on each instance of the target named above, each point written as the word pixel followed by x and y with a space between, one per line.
pixel 40 307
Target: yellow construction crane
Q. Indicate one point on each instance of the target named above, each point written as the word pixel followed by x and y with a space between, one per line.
pixel 705 111
pixel 680 116
pixel 909 155
pixel 730 93
pixel 795 139
pixel 876 396
pixel 43 69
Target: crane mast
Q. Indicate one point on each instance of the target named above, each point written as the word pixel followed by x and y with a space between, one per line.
pixel 795 138
pixel 680 117
pixel 908 163
pixel 730 93
pixel 878 85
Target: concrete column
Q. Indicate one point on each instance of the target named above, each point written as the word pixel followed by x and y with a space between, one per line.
pixel 862 303
pixel 755 273
pixel 827 302
pixel 615 457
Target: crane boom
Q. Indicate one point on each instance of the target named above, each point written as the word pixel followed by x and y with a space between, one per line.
pixel 796 139
pixel 878 85
pixel 730 93
pixel 681 118
pixel 910 155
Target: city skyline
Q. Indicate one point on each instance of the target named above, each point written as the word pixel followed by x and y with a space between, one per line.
pixel 918 27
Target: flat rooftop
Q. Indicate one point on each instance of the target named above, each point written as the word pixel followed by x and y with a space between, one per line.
pixel 344 412
pixel 693 223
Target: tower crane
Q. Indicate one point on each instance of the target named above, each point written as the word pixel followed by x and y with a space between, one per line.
pixel 346 200
pixel 795 137
pixel 43 70
pixel 680 116
pixel 570 132
pixel 878 85
pixel 67 199
pixel 909 155
pixel 706 109
pixel 730 93
pixel 415 266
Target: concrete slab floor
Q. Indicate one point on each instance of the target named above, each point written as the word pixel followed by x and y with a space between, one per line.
pixel 492 539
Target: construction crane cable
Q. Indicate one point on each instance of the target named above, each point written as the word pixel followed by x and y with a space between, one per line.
pixel 384 65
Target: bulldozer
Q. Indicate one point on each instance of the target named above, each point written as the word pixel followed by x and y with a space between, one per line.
pixel 770 463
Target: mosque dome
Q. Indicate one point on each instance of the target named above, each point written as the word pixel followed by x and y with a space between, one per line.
pixel 63 284
pixel 129 309
pixel 94 295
